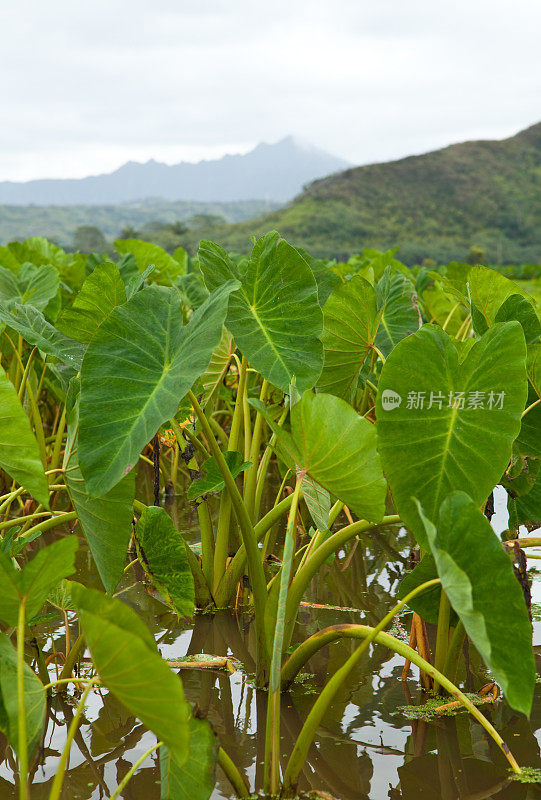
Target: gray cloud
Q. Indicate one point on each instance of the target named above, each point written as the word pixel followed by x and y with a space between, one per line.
pixel 85 87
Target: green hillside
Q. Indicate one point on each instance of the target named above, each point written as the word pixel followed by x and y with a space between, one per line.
pixel 437 205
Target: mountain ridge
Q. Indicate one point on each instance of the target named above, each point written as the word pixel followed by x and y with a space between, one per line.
pixel 274 172
pixel 437 205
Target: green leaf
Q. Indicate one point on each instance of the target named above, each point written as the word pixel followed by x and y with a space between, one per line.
pixel 193 290
pixel 526 509
pixel 129 665
pixel 275 316
pixel 399 316
pixel 34 582
pixel 19 452
pixel 218 367
pixel 327 280
pixel 137 368
pixel 136 282
pixel 337 448
pixel 194 779
pixel 533 367
pixel 35 699
pixel 102 291
pixel 212 480
pixel 32 285
pixel 146 253
pixel 318 503
pixel 350 324
pixel 163 554
pixel 471 564
pixel 106 521
pixel 528 441
pixel 432 450
pixel 426 604
pixel 521 309
pixel 33 327
pixel 488 291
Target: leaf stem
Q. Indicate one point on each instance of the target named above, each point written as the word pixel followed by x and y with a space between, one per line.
pixel 22 744
pixel 133 769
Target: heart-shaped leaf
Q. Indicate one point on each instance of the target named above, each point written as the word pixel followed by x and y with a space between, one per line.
pixel 445 425
pixel 337 448
pixel 138 367
pixel 106 521
pixel 212 480
pixel 129 665
pixel 350 324
pixel 35 699
pixel 32 326
pixel 275 316
pixel 19 452
pixel 166 267
pixel 34 582
pixel 194 779
pixel 163 554
pixel 102 291
pixel 471 564
pixel 32 285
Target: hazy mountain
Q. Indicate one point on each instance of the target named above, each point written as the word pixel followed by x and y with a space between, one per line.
pixel 272 172
pixel 483 193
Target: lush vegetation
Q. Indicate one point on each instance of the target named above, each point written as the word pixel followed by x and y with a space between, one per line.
pixel 383 396
pixel 437 205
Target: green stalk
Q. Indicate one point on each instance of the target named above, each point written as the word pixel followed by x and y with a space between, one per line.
pixel 264 465
pixel 221 550
pixel 133 769
pixel 251 474
pixel 57 519
pixel 249 539
pixel 453 653
pixel 21 711
pixel 232 774
pixel 318 557
pixel 442 636
pixel 304 740
pixel 235 569
pixel 25 374
pixel 57 447
pixel 38 425
pixel 61 768
pixel 272 739
pixel 207 542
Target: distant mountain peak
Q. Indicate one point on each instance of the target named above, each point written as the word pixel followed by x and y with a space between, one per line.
pixel 275 172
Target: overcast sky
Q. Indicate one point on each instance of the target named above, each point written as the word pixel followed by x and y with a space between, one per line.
pixel 85 87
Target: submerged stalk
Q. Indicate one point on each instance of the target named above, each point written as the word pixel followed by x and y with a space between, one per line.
pixel 21 711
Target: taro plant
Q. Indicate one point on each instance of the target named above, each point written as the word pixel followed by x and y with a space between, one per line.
pixel 339 382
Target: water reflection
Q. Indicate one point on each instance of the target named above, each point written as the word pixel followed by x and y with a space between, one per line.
pixel 366 747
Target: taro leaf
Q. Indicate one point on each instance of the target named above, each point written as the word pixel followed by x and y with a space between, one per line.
pixel 129 665
pixel 521 476
pixel 337 448
pixel 218 367
pixel 34 582
pixel 139 365
pixel 526 509
pixel 212 480
pixel 318 502
pixel 102 291
pixel 193 290
pixel 275 316
pixel 194 779
pixel 399 316
pixel 478 578
pixel 33 327
pixel 32 285
pixel 147 253
pixel 327 280
pixel 106 521
pixel 35 699
pixel 136 282
pixel 61 597
pixel 432 450
pixel 533 367
pixel 455 280
pixel 162 552
pixel 426 604
pixel 19 452
pixel 521 309
pixel 442 309
pixel 488 291
pixel 350 324
pixel 528 441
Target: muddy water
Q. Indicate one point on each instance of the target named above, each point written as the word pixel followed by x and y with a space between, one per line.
pixel 366 748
